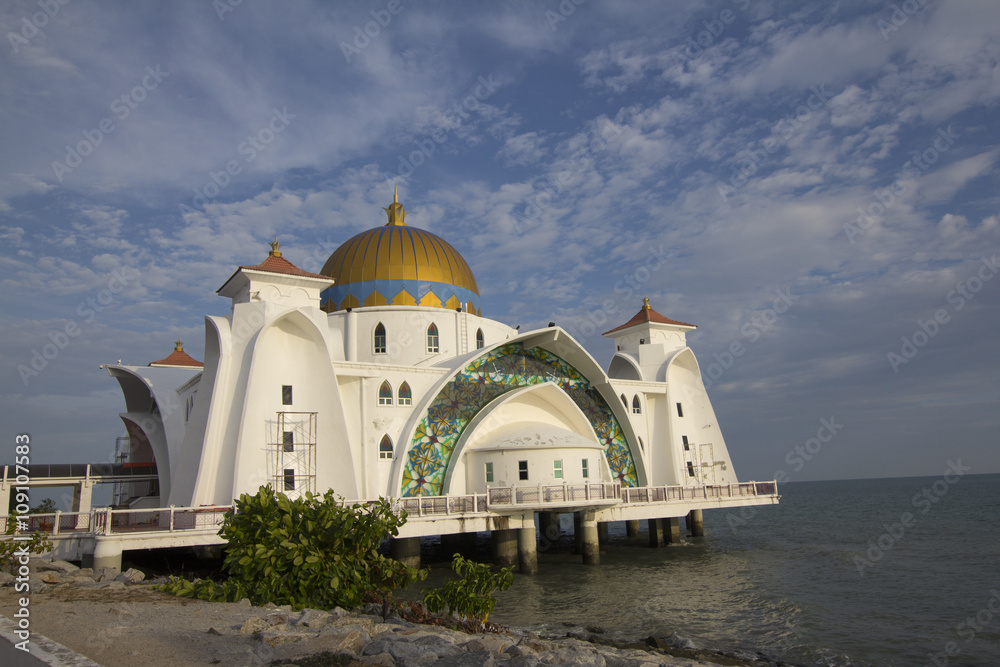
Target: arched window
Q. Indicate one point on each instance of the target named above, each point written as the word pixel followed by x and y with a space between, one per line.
pixel 379 339
pixel 385 394
pixel 480 342
pixel 624 401
pixel 385 447
pixel 636 405
pixel 405 396
pixel 433 338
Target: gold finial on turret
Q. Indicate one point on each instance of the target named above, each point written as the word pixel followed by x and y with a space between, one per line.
pixel 275 248
pixel 645 303
pixel 395 210
pixel 178 346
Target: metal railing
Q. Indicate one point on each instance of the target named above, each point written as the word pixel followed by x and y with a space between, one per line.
pixel 107 521
pixel 664 494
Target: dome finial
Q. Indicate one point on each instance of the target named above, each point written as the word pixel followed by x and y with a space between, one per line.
pixel 395 210
pixel 178 346
pixel 645 303
pixel 275 248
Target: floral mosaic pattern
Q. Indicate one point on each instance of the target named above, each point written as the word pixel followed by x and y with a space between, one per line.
pixel 503 369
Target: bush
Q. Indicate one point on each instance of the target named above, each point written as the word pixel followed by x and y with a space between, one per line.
pixel 37 543
pixel 313 551
pixel 471 597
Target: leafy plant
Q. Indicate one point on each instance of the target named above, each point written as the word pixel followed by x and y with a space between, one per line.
pixel 314 551
pixel 37 543
pixel 471 597
pixel 47 506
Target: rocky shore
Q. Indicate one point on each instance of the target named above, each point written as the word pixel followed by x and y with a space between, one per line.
pixel 120 619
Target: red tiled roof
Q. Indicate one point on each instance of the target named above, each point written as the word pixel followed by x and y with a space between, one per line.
pixel 647 314
pixel 278 264
pixel 178 358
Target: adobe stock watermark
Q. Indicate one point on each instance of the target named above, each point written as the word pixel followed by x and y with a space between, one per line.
pixel 781 133
pixel 223 7
pixel 86 311
pixel 697 43
pixel 760 323
pixel 576 165
pixel 901 13
pixel 928 497
pixel 797 457
pixel 122 107
pixel 425 147
pixel 563 11
pixel 255 144
pixel 966 631
pixel 31 26
pixel 912 170
pixel 927 329
pixel 363 35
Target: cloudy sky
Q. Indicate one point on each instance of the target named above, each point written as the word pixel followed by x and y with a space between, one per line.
pixel 813 184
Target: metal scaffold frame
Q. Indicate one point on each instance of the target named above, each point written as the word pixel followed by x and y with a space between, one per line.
pixel 294 447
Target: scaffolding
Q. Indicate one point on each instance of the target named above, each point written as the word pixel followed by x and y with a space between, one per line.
pixel 120 491
pixel 294 453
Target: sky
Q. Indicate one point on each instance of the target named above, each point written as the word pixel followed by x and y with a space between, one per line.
pixel 813 184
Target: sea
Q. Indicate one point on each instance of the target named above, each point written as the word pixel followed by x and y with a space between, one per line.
pixel 902 571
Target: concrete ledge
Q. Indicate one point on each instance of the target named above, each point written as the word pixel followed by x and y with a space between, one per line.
pixel 42 650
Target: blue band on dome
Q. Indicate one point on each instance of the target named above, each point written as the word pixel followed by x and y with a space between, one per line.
pixel 390 288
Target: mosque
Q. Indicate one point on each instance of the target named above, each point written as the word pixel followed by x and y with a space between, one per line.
pixel 380 376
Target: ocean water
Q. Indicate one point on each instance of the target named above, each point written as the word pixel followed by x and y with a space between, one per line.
pixel 865 572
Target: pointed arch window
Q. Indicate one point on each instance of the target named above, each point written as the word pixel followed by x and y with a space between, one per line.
pixel 624 401
pixel 636 405
pixel 480 341
pixel 379 339
pixel 385 394
pixel 433 340
pixel 405 395
pixel 385 447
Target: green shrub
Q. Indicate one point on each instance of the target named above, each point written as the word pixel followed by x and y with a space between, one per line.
pixel 37 543
pixel 471 597
pixel 313 551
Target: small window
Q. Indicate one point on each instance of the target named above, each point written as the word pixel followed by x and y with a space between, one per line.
pixel 385 447
pixel 642 341
pixel 684 440
pixel 480 341
pixel 557 469
pixel 379 339
pixel 385 394
pixel 636 405
pixel 289 479
pixel 489 471
pixel 405 395
pixel 642 445
pixel 586 468
pixel 286 394
pixel 690 469
pixel 624 401
pixel 680 410
pixel 433 339
pixel 288 440
pixel 522 470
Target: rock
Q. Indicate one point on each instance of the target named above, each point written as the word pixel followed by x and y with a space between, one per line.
pixel 254 625
pixel 313 618
pixel 105 574
pixel 38 586
pixel 278 618
pixel 595 629
pixel 269 605
pixel 213 631
pixel 244 603
pixel 6 579
pixel 130 576
pixel 339 639
pixel 159 581
pixel 495 645
pixel 278 637
pixel 339 612
pixel 121 611
pixel 85 572
pixel 54 564
pixel 114 586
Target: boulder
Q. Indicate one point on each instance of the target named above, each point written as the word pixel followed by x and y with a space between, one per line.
pixel 51 577
pixel 254 625
pixel 54 565
pixel 313 618
pixel 130 576
pixel 6 579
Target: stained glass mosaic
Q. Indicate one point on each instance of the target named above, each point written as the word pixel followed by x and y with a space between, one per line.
pixel 495 373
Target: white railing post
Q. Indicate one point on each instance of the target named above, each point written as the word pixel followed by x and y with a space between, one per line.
pixel 55 526
pixel 107 522
pixel 171 518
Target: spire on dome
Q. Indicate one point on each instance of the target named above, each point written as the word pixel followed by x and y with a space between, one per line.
pixel 645 303
pixel 178 346
pixel 395 211
pixel 275 248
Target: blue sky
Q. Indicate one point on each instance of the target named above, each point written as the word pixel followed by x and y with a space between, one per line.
pixel 813 184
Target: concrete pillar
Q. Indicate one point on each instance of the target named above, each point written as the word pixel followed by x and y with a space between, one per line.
pixel 696 523
pixel 406 550
pixel 632 530
pixel 504 547
pixel 655 532
pixel 671 530
pixel 602 532
pixel 577 533
pixel 527 549
pixel 548 525
pixel 82 503
pixel 4 500
pixel 107 553
pixel 451 545
pixel 589 545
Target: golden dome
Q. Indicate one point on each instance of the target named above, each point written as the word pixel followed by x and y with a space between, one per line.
pixel 399 265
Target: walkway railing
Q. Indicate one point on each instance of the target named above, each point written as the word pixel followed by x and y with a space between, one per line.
pixel 108 521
